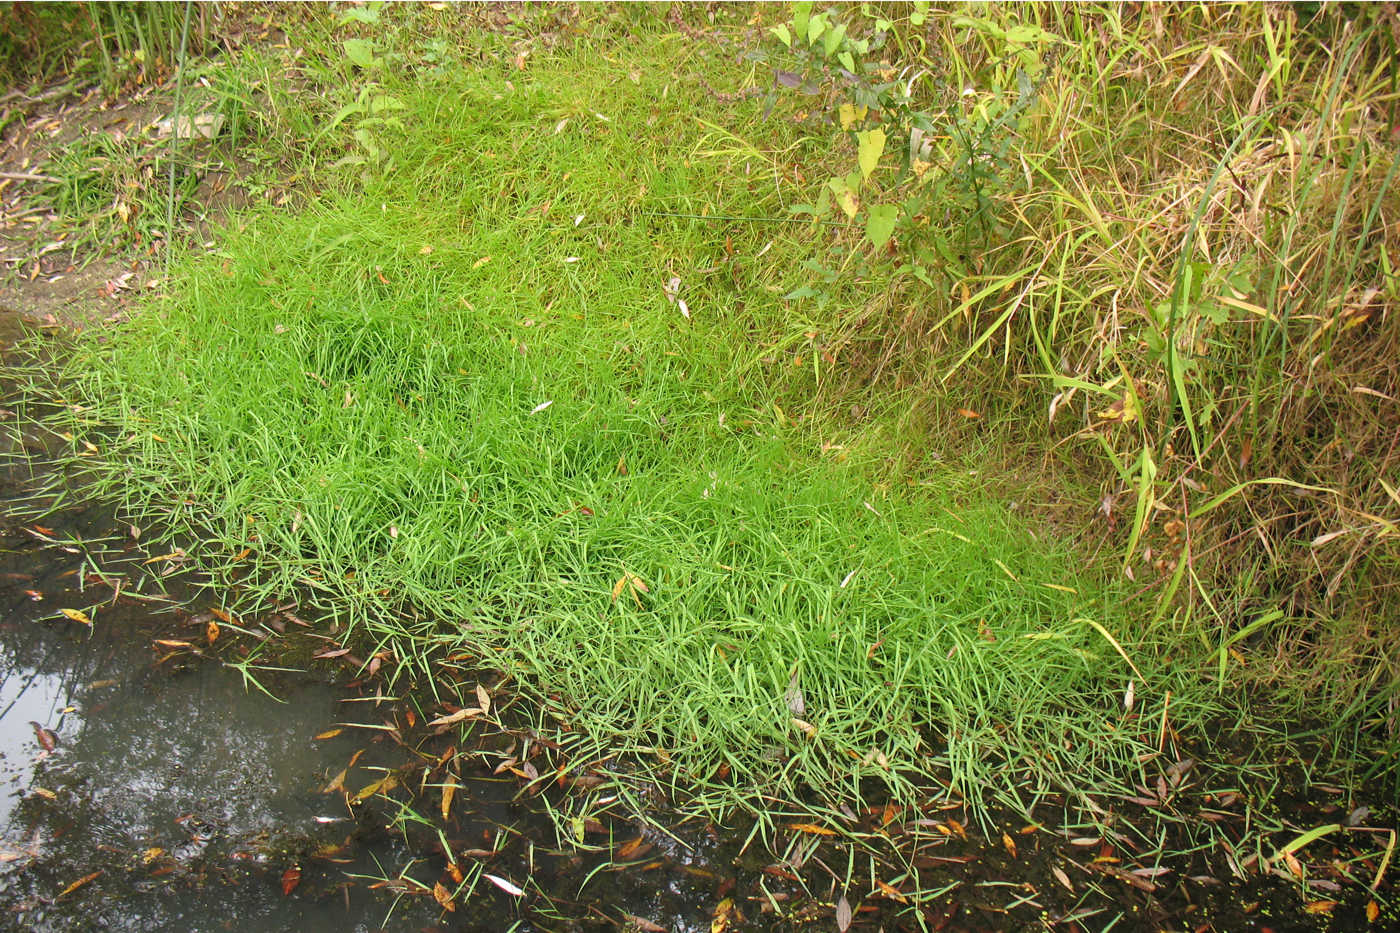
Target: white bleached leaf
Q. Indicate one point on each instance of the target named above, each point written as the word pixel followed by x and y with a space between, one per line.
pixel 504 885
pixel 680 303
pixel 541 407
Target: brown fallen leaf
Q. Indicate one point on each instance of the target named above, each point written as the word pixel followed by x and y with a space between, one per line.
pixel 449 790
pixel 643 924
pixel 812 828
pixel 381 786
pixel 1009 843
pixel 337 783
pixel 47 738
pixel 725 917
pixel 455 717
pixel 211 632
pixel 633 848
pixel 1319 907
pixel 443 896
pixel 891 892
pixel 77 884
pixel 290 879
pixel 843 914
pixel 484 699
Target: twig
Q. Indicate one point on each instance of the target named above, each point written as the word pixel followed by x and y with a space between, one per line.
pixel 29 176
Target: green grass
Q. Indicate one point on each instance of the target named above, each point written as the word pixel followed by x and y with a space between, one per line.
pixel 1141 330
pixel 450 400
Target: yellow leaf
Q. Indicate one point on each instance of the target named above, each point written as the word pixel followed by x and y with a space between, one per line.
pixel 1009 843
pixel 449 790
pixel 725 916
pixel 329 734
pixel 851 115
pixel 1319 907
pixel 77 884
pixel 812 828
pixel 211 632
pixel 443 896
pixel 381 786
pixel 151 854
pixel 76 616
pixel 337 783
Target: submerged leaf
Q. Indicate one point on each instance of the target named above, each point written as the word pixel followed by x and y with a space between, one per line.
pixel 290 879
pixel 77 884
pixel 76 616
pixel 843 914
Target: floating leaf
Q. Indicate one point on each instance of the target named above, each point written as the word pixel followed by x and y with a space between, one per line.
pixel 506 886
pixel 77 616
pixel 211 632
pixel 449 790
pixel 328 734
pixel 332 653
pixel 443 896
pixel 812 828
pixel 455 717
pixel 483 698
pixel 1319 907
pixel 47 738
pixel 1009 843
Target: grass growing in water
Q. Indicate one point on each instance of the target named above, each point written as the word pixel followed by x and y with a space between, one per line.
pixel 453 400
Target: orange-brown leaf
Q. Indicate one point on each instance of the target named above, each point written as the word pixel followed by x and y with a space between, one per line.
pixel 290 879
